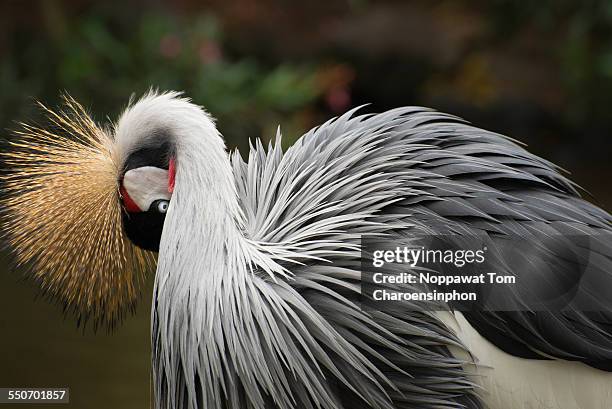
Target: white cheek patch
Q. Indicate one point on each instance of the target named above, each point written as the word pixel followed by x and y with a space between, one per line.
pixel 145 185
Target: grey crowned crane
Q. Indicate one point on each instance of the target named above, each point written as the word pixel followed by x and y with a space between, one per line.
pixel 256 299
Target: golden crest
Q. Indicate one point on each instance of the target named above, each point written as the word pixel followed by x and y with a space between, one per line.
pixel 62 216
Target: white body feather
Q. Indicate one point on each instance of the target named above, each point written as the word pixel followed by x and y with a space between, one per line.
pixel 509 382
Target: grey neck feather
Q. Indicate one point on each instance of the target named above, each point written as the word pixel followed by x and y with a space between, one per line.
pixel 200 254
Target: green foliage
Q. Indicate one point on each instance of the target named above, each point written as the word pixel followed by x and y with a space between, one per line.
pixel 101 60
pixel 582 48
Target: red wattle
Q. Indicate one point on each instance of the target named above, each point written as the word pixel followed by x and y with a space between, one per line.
pixel 171 175
pixel 128 203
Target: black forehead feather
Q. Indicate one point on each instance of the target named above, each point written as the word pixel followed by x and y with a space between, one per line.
pixel 156 154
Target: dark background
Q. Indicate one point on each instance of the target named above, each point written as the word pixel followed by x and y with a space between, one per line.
pixel 540 72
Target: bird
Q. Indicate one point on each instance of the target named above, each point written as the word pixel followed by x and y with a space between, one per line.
pixel 258 295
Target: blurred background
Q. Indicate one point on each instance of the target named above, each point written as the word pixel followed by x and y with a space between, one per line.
pixel 540 72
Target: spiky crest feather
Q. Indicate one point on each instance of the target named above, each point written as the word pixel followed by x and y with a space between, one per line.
pixel 62 216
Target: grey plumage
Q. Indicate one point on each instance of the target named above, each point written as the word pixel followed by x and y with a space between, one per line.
pixel 278 321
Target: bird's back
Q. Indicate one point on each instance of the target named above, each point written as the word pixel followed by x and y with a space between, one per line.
pixel 416 171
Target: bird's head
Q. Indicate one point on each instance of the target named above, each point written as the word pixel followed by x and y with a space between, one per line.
pixel 85 206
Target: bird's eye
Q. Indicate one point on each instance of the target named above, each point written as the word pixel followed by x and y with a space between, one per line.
pixel 162 206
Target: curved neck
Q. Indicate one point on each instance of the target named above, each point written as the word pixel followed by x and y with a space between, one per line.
pixel 204 220
pixel 205 264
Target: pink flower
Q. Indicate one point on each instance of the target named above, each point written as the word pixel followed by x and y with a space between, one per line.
pixel 170 46
pixel 209 52
pixel 338 99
